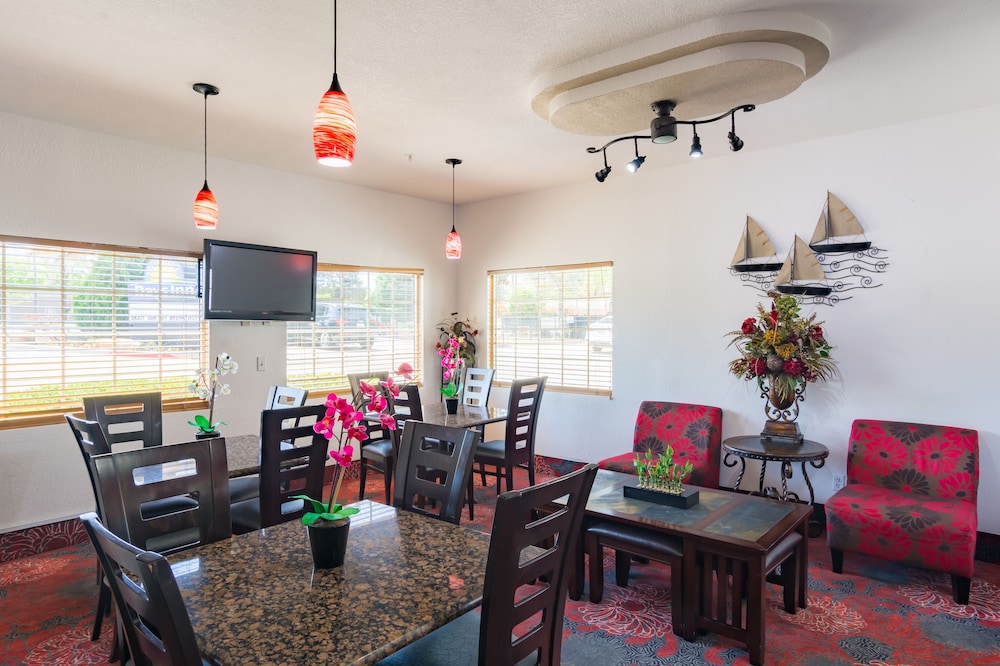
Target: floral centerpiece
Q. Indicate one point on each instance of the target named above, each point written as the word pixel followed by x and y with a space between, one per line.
pixel 451 368
pixel 207 384
pixel 782 351
pixel 462 331
pixel 662 474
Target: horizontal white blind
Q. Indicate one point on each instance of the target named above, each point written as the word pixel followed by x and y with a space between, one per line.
pixel 367 320
pixel 543 320
pixel 86 320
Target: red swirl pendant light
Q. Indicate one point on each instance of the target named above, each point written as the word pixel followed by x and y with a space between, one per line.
pixel 206 208
pixel 335 133
pixel 453 244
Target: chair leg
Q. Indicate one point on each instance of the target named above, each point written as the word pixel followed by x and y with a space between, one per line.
pixel 960 586
pixel 103 606
pixel 789 582
pixel 837 560
pixel 470 498
pixel 361 481
pixel 623 563
pixel 387 475
pixel 482 473
pixel 509 474
pixel 595 552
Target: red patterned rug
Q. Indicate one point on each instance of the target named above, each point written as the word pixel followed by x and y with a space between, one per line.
pixel 877 613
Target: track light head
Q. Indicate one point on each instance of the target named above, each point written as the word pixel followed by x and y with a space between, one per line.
pixel 695 145
pixel 634 165
pixel 735 142
pixel 663 128
pixel 602 174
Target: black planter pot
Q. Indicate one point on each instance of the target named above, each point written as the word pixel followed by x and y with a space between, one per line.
pixel 207 435
pixel 328 541
pixel 451 404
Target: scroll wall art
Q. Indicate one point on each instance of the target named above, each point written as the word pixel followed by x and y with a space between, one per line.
pixel 838 259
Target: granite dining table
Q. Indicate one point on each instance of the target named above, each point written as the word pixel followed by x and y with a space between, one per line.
pixel 256 599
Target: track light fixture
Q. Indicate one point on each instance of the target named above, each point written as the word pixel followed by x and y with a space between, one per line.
pixel 603 173
pixel 695 143
pixel 634 165
pixel 663 129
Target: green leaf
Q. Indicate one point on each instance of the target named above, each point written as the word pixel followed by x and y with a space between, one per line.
pixel 317 507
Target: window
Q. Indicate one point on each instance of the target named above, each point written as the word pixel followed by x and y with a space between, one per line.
pixel 367 319
pixel 80 319
pixel 553 321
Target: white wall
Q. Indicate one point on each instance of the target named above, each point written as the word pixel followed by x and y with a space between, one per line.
pixel 63 183
pixel 920 348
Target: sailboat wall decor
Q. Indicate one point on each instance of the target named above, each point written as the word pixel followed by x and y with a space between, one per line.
pixel 754 252
pixel 802 273
pixel 838 230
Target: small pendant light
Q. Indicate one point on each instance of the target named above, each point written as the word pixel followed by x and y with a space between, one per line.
pixel 335 133
pixel 206 209
pixel 453 244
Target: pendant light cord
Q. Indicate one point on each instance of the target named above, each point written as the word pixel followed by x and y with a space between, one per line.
pixel 205 127
pixel 334 37
pixel 453 198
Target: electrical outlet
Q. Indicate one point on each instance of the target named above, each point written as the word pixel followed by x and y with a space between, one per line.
pixel 261 364
pixel 839 481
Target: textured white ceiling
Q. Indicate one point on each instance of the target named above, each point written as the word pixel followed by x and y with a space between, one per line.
pixel 452 78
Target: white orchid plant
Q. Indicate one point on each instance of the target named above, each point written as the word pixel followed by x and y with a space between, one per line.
pixel 207 384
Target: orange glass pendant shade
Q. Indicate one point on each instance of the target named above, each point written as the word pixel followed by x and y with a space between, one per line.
pixel 453 245
pixel 206 209
pixel 335 133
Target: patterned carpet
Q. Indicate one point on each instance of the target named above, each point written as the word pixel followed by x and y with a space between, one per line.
pixel 876 613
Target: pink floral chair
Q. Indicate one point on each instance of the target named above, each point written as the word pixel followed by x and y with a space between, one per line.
pixel 693 431
pixel 910 497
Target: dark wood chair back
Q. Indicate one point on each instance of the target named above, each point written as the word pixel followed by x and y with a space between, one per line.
pixel 135 417
pixel 355 379
pixel 192 477
pixel 434 464
pixel 155 623
pixel 281 397
pixel 292 461
pixel 518 563
pixel 92 442
pixel 522 421
pixel 407 406
pixel 478 382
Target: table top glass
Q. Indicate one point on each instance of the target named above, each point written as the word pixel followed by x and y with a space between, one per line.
pixel 467 417
pixel 255 598
pixel 749 521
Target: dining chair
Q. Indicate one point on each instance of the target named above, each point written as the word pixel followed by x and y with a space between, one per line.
pixel 523 581
pixel 131 484
pixel 517 448
pixel 284 470
pixel 478 382
pixel 435 463
pixel 132 417
pixel 278 397
pixel 381 455
pixel 154 622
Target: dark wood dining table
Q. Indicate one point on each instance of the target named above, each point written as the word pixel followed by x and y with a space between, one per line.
pixel 256 598
pixel 734 530
pixel 466 416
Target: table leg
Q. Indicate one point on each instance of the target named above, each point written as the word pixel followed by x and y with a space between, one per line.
pixel 743 467
pixel 692 591
pixel 755 610
pixel 760 482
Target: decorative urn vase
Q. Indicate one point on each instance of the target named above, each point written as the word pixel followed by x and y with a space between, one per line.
pixel 328 541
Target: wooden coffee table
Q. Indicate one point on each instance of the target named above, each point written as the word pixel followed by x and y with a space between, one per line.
pixel 734 532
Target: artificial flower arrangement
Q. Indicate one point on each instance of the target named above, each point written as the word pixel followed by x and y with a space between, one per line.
pixel 781 346
pixel 344 423
pixel 663 473
pixel 451 364
pixel 461 330
pixel 207 385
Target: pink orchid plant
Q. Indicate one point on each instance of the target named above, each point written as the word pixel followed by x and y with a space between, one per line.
pixel 344 422
pixel 451 362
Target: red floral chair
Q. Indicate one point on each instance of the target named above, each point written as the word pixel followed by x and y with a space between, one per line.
pixel 910 497
pixel 693 431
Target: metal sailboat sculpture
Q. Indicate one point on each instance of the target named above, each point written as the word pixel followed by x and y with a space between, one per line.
pixel 802 273
pixel 755 252
pixel 838 230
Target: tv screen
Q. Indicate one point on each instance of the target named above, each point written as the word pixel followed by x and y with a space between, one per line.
pixel 244 281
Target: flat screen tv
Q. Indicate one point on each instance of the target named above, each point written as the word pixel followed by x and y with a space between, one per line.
pixel 244 281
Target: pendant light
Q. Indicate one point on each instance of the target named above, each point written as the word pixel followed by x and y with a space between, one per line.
pixel 334 131
pixel 453 244
pixel 206 209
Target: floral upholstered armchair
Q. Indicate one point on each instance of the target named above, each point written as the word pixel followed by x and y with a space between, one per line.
pixel 694 432
pixel 910 497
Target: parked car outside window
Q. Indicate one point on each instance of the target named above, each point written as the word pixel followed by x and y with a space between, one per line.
pixel 339 324
pixel 599 334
